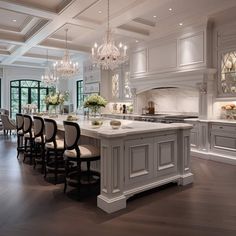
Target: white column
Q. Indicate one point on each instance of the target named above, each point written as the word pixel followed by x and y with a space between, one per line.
pixel 111 196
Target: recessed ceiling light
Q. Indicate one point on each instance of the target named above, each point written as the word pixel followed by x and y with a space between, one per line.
pixel 170 9
pixel 100 12
pixel 136 41
pixel 14 20
pixel 154 16
pixel 181 24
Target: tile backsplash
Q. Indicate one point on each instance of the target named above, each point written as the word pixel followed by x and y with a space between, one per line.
pixel 171 100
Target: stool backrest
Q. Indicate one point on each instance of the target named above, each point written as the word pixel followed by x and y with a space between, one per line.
pixel 19 121
pixel 38 126
pixel 28 123
pixel 72 135
pixel 50 130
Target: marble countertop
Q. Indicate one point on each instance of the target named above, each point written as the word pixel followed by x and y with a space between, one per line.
pixel 224 121
pixel 128 127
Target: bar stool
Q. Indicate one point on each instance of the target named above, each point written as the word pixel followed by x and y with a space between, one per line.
pixel 54 150
pixel 39 140
pixel 20 133
pixel 75 155
pixel 29 137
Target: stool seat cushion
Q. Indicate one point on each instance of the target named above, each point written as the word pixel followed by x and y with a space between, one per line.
pixel 27 135
pixel 86 151
pixel 20 132
pixel 60 144
pixel 39 139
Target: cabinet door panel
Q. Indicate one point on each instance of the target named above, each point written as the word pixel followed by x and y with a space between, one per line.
pixel 165 155
pixel 138 160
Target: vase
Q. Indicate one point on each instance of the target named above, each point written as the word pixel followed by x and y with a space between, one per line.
pixel 95 111
pixel 53 110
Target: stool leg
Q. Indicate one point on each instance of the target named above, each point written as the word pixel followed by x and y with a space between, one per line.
pixel 88 171
pixel 18 146
pixel 56 166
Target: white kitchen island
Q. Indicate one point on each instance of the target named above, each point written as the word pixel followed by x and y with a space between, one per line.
pixel 137 157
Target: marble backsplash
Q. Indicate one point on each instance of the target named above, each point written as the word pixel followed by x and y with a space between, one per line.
pixel 170 100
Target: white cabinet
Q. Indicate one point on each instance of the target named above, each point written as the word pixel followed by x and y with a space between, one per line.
pixel 120 84
pixel 165 155
pixel 138 160
pixel 150 158
pixel 223 139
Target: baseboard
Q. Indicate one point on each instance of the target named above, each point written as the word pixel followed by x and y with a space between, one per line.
pixel 214 157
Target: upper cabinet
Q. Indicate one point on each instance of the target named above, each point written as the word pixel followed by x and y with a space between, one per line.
pixel 173 54
pixel 120 84
pixel 228 73
pixel 225 60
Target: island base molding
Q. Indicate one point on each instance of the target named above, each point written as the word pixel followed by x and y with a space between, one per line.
pixel 111 205
pixel 214 157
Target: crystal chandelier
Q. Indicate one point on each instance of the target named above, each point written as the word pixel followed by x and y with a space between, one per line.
pixel 49 78
pixel 108 55
pixel 66 68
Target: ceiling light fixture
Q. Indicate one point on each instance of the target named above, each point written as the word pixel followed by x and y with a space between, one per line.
pixel 108 55
pixel 66 68
pixel 100 12
pixel 181 24
pixel 170 9
pixel 49 78
pixel 154 16
pixel 136 41
pixel 14 20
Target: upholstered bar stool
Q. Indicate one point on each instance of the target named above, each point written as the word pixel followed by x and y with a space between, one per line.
pixel 54 149
pixel 28 137
pixel 75 155
pixel 20 133
pixel 39 140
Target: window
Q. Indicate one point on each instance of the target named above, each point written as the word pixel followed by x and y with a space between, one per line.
pixel 80 93
pixel 24 92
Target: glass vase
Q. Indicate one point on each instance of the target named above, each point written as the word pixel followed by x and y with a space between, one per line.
pixel 53 110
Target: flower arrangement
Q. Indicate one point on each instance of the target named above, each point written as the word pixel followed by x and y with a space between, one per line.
pixel 95 102
pixel 229 110
pixel 56 98
pixel 28 108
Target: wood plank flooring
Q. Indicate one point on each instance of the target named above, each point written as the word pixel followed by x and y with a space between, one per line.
pixel 31 206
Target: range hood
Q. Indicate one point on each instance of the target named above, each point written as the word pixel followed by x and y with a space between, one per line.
pixel 179 79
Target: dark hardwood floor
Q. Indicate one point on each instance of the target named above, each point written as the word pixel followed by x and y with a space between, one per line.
pixel 31 206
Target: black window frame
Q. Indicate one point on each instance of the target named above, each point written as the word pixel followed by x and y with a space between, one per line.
pixel 79 97
pixel 19 86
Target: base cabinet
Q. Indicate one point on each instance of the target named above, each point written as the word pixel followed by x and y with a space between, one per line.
pixel 148 158
pixel 223 139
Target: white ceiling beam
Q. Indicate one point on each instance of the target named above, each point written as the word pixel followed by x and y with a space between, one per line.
pixel 131 34
pixel 27 10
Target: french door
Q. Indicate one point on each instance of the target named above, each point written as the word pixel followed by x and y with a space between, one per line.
pixel 27 92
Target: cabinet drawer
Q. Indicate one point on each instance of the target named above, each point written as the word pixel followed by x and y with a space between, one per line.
pixel 227 128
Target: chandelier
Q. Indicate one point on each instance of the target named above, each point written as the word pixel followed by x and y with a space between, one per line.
pixel 66 68
pixel 108 55
pixel 49 78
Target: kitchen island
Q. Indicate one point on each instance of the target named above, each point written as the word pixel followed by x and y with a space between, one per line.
pixel 138 156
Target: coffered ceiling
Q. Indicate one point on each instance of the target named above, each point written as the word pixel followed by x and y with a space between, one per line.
pixel 28 28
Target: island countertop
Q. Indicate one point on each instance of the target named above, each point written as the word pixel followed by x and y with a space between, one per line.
pixel 128 127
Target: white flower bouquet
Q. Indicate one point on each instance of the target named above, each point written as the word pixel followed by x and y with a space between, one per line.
pixel 95 102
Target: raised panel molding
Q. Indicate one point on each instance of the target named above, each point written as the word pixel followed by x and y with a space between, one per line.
pixel 165 154
pixel 139 161
pixel 162 57
pixel 139 61
pixel 191 49
pixel 116 169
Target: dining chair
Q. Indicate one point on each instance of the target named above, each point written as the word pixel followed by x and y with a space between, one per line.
pixel 20 133
pixel 7 124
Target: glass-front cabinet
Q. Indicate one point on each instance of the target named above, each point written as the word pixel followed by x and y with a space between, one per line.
pixel 227 75
pixel 120 84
